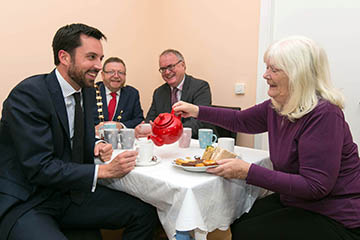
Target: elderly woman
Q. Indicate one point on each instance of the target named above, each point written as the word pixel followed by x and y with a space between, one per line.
pixel 316 176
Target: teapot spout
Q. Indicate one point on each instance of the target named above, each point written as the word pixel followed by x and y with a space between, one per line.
pixel 158 141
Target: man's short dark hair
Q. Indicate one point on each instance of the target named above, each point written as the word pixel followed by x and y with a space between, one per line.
pixel 67 38
pixel 113 59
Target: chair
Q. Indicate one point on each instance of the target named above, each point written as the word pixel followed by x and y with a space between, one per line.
pixel 219 131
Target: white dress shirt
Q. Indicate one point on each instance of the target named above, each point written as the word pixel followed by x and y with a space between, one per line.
pixel 68 91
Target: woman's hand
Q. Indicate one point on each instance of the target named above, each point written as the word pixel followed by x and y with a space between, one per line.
pixel 186 109
pixel 231 168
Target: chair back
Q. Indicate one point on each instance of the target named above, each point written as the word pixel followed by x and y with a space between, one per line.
pixel 222 132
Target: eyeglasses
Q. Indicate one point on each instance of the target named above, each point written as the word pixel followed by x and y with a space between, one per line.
pixel 169 67
pixel 111 73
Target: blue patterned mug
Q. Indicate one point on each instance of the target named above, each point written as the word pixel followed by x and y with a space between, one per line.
pixel 206 137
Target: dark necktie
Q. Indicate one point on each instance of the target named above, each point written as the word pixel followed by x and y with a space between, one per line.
pixel 174 98
pixel 112 105
pixel 78 144
pixel 78 139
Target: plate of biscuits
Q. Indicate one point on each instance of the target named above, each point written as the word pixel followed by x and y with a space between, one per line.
pixel 208 159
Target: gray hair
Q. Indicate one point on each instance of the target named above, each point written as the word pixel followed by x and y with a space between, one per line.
pixel 306 65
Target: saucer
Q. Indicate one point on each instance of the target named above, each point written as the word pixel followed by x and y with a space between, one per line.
pixel 151 163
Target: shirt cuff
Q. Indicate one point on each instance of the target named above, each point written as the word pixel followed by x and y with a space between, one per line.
pixel 95 178
pixel 99 141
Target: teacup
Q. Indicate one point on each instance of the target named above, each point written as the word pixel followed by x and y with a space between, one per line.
pixel 206 137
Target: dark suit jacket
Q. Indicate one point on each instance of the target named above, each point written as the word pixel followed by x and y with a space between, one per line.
pixel 194 91
pixel 129 103
pixel 35 147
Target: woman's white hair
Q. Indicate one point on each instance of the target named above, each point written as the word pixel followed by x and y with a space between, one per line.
pixel 306 65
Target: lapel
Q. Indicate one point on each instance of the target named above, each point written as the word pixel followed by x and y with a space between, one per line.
pixel 167 95
pixel 122 101
pixel 185 89
pixel 104 101
pixel 88 103
pixel 58 101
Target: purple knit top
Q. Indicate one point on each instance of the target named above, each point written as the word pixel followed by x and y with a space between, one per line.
pixel 316 163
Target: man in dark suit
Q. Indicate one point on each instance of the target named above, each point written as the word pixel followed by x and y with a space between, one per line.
pixel 178 86
pixel 46 119
pixel 125 109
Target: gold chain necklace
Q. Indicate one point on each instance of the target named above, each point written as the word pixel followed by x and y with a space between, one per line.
pixel 100 106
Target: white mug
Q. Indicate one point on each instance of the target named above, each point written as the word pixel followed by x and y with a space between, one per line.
pixel 145 149
pixel 226 143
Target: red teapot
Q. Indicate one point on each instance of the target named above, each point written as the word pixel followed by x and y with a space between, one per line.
pixel 167 129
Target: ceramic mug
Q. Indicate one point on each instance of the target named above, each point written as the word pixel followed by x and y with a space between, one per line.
pixel 184 141
pixel 206 137
pixel 127 138
pixel 111 136
pixel 109 125
pixel 106 125
pixel 226 143
pixel 145 128
pixel 145 149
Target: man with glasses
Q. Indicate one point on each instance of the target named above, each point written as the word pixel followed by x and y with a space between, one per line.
pixel 120 103
pixel 178 86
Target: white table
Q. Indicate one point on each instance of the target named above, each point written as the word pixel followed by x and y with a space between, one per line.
pixel 188 201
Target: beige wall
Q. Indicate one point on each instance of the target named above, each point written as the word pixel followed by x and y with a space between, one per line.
pixel 218 39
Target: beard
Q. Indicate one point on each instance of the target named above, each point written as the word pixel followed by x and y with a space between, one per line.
pixel 79 76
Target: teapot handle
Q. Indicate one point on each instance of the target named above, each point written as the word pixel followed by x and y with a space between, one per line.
pixel 173 113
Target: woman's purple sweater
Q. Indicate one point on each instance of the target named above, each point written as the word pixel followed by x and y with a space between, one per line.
pixel 316 163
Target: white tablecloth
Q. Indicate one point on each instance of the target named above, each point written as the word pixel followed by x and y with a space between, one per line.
pixel 188 200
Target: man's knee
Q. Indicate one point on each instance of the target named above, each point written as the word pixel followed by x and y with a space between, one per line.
pixel 82 234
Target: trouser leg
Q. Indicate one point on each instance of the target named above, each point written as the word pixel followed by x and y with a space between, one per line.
pixel 35 225
pixel 110 209
pixel 269 219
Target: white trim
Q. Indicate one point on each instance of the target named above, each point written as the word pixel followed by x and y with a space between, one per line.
pixel 265 38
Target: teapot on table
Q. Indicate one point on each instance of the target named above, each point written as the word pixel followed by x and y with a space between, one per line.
pixel 167 129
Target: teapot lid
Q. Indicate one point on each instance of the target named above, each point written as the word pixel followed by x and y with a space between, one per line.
pixel 163 119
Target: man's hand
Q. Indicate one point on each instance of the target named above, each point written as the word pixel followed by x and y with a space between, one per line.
pixel 97 128
pixel 121 165
pixel 100 125
pixel 143 129
pixel 103 151
pixel 231 168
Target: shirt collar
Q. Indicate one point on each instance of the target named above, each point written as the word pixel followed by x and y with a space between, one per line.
pixel 66 88
pixel 181 84
pixel 107 91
